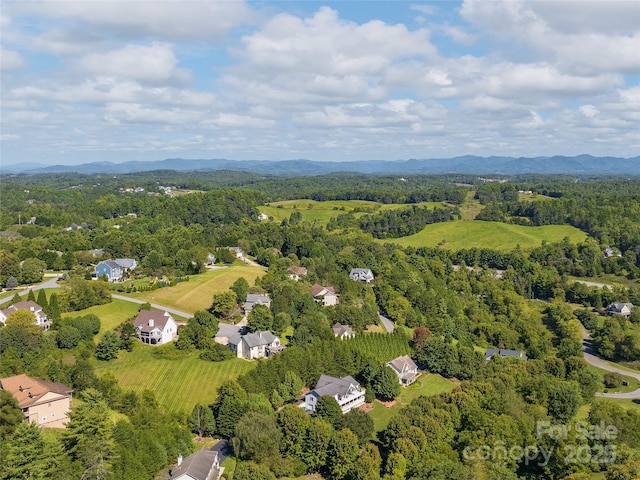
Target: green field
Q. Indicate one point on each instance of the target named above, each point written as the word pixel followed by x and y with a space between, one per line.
pixel 322 212
pixel 196 294
pixel 110 314
pixel 428 384
pixel 178 383
pixel 494 235
pixel 633 382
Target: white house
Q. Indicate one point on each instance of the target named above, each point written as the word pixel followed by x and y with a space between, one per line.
pixel 405 368
pixel 347 392
pixel 619 308
pixel 155 327
pixel 296 273
pixel 255 345
pixel 361 274
pixel 326 295
pixel 342 331
pixel 254 299
pixel 237 251
pixel 202 465
pixel 504 353
pixel 263 216
pixel 30 306
pixel 126 263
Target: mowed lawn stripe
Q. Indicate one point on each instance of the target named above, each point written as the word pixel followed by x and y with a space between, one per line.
pixel 178 384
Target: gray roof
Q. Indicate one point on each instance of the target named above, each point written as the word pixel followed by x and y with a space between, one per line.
pixel 328 385
pixel 257 298
pixel 361 271
pixel 259 338
pixel 235 339
pixel 199 465
pixel 402 363
pixel 504 353
pixel 126 262
pixel 618 306
pixel 226 330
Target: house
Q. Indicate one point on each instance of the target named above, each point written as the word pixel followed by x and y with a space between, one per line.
pixel 405 368
pixel 226 331
pixel 111 269
pixel 254 299
pixel 126 263
pixel 618 308
pixel 347 392
pixel 97 252
pixel 155 327
pixel 237 251
pixel 504 353
pixel 263 216
pixel 202 465
pixel 255 345
pixel 342 331
pixel 211 259
pixel 41 318
pixel 42 402
pixel 295 273
pixel 326 295
pixel 361 274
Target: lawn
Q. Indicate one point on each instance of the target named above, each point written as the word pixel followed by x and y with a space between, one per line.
pixel 494 235
pixel 178 383
pixel 110 314
pixel 633 382
pixel 428 384
pixel 196 294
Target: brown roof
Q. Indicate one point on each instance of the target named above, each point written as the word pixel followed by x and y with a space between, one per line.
pixel 319 289
pixel 29 305
pixel 28 391
pixel 159 318
pixel 298 270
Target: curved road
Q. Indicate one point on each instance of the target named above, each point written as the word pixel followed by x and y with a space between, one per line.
pixel 590 357
pixel 51 283
pixel 154 305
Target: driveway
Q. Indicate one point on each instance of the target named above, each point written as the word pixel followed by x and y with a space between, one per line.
pixel 590 357
pixel 386 323
pixel 154 305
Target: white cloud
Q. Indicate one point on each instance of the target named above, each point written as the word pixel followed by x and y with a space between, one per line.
pixel 10 60
pixel 589 111
pixel 152 63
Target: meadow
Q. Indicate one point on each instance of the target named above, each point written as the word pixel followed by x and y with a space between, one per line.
pixel 179 381
pixel 322 212
pixel 110 314
pixel 494 235
pixel 196 294
pixel 427 384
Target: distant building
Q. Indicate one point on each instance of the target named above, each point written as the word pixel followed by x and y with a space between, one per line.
pixel 254 299
pixel 504 353
pixel 255 345
pixel 361 274
pixel 126 263
pixel 263 216
pixel 619 308
pixel 342 331
pixel 405 368
pixel 325 295
pixel 296 273
pixel 110 268
pixel 44 403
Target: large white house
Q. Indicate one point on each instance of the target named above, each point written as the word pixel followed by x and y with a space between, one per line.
pixel 346 390
pixel 155 327
pixel 254 345
pixel 325 295
pixel 202 465
pixel 30 306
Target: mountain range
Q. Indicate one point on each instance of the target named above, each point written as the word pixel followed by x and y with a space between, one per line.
pixel 468 164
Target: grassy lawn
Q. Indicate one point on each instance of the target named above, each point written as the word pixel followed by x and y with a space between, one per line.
pixel 633 382
pixel 178 383
pixel 197 292
pixel 494 235
pixel 606 279
pixel 111 314
pixel 428 384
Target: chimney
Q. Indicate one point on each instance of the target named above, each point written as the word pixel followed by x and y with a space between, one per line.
pixel 151 322
pixel 179 459
pixel 20 388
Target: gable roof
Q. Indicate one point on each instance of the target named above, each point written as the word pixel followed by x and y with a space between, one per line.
pixel 201 465
pixel 403 364
pixel 28 391
pixel 257 298
pixel 297 270
pixel 618 306
pixel 110 264
pixel 504 353
pixel 328 385
pixel 320 290
pixel 361 271
pixel 159 317
pixel 28 305
pixel 127 263
pixel 227 330
pixel 339 329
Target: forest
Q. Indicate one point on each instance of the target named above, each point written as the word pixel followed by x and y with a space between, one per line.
pixel 448 307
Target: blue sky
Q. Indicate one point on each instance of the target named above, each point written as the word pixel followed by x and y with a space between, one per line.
pixel 108 80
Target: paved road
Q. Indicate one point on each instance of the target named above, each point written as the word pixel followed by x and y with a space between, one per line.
pixel 386 323
pixel 51 283
pixel 154 305
pixel 590 357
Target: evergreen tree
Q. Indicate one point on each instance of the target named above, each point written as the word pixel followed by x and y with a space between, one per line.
pixel 42 300
pixel 128 336
pixel 24 458
pixel 54 313
pixel 108 346
pixel 328 409
pixel 10 414
pixel 31 297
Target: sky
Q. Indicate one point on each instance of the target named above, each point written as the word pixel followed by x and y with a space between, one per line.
pixel 104 80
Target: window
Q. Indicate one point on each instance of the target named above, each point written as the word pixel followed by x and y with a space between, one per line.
pixel 53 414
pixel 44 418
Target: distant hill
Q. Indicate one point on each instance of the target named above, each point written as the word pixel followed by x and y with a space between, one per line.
pixel 469 164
